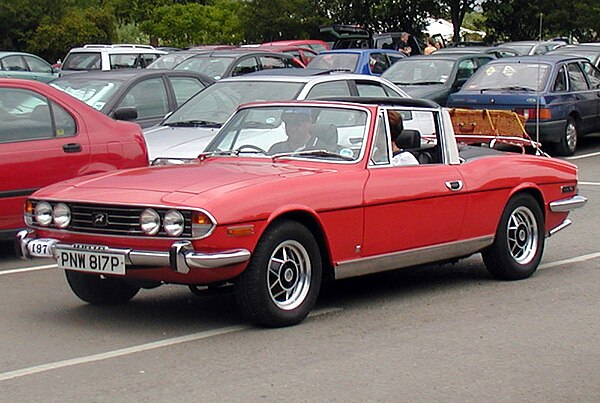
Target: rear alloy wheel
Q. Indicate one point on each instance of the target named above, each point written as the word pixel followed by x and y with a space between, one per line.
pixel 568 143
pixel 519 243
pixel 95 290
pixel 281 283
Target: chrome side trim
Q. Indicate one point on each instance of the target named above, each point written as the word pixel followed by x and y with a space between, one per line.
pixel 413 257
pixel 565 205
pixel 561 226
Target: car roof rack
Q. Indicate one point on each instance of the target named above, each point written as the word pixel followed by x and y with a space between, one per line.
pixel 119 45
pixel 387 101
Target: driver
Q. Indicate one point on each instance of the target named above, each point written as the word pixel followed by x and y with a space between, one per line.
pixel 297 128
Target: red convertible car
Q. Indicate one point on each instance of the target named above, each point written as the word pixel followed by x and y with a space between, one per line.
pixel 47 136
pixel 291 193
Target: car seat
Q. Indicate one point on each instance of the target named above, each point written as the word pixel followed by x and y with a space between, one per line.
pixel 324 136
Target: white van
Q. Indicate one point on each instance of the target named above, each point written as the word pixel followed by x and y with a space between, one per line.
pixel 109 57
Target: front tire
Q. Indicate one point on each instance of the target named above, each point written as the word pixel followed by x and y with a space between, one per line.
pixel 100 291
pixel 568 143
pixel 281 283
pixel 519 243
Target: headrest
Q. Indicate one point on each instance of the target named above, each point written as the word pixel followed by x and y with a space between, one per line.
pixel 409 139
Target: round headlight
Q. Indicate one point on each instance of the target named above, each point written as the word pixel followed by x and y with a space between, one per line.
pixel 173 223
pixel 43 213
pixel 62 215
pixel 150 221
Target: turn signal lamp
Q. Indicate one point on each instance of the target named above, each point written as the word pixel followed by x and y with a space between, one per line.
pixel 28 212
pixel 201 224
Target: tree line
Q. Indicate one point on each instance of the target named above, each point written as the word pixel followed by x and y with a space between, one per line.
pixel 51 28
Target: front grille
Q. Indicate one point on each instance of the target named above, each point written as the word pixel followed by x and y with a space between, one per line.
pixel 117 220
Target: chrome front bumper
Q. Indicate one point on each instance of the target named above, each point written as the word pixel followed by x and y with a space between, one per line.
pixel 181 257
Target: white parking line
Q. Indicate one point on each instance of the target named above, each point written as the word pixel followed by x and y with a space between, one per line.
pixel 589 183
pixel 576 259
pixel 136 349
pixel 583 156
pixel 27 269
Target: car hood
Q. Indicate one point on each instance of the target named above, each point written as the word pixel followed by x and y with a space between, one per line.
pixel 177 142
pixel 211 178
pixel 494 99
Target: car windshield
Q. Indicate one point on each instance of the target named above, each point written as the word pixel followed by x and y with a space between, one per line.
pixel 82 61
pixel 510 76
pixel 170 61
pixel 217 102
pixel 94 92
pixel 419 71
pixel 308 132
pixel 214 67
pixel 335 61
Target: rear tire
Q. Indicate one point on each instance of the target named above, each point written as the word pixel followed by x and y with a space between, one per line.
pixel 282 281
pixel 98 291
pixel 519 243
pixel 568 143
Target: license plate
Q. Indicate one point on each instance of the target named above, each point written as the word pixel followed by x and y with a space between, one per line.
pixel 89 261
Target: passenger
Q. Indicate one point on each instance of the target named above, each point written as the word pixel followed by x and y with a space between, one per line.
pixel 399 156
pixel 297 128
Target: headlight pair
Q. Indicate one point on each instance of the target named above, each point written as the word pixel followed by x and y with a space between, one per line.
pixel 173 222
pixel 45 214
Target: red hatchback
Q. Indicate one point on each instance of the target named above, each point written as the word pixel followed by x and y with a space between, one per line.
pixel 47 136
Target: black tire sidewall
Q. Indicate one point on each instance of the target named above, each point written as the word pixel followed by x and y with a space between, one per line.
pixel 498 258
pixel 562 147
pixel 251 290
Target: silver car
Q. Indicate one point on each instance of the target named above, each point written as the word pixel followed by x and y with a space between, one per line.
pixel 187 131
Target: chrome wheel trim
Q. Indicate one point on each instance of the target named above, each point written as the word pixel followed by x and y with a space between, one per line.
pixel 522 235
pixel 571 135
pixel 289 275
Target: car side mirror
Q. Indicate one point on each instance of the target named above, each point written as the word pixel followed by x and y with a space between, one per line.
pixel 127 113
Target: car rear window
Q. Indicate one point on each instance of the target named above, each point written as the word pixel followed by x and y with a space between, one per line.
pixel 82 61
pixel 332 61
pixel 510 76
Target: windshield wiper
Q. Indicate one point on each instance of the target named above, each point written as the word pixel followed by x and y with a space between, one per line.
pixel 426 83
pixel 313 153
pixel 194 123
pixel 509 88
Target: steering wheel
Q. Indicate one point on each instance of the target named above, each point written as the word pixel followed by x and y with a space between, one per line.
pixel 250 147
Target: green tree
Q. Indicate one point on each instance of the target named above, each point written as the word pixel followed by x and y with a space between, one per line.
pixel 52 39
pixel 457 9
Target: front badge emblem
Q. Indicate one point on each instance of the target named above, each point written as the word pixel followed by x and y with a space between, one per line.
pixel 100 220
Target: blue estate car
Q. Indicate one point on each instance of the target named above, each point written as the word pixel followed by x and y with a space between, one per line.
pixel 559 95
pixel 360 61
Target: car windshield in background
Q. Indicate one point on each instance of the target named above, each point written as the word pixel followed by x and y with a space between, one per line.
pixel 82 61
pixel 328 134
pixel 94 92
pixel 417 72
pixel 217 102
pixel 338 61
pixel 521 49
pixel 170 61
pixel 510 77
pixel 214 67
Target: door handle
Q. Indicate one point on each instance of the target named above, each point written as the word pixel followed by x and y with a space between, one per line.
pixel 455 186
pixel 72 148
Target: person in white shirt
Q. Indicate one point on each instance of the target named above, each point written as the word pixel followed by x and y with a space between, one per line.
pixel 400 156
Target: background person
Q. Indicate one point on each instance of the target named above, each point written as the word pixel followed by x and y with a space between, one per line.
pixel 430 48
pixel 403 44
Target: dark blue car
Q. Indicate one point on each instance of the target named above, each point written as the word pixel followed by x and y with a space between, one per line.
pixel 361 61
pixel 559 95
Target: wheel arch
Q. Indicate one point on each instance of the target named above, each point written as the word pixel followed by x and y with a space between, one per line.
pixel 534 191
pixel 310 219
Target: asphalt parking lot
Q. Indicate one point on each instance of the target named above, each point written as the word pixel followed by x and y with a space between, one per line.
pixel 448 333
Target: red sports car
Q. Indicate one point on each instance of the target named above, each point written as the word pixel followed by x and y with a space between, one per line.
pixel 290 193
pixel 47 136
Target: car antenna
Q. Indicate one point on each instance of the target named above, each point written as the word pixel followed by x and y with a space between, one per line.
pixel 537 103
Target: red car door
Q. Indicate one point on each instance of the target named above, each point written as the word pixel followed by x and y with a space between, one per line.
pixel 41 143
pixel 409 207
